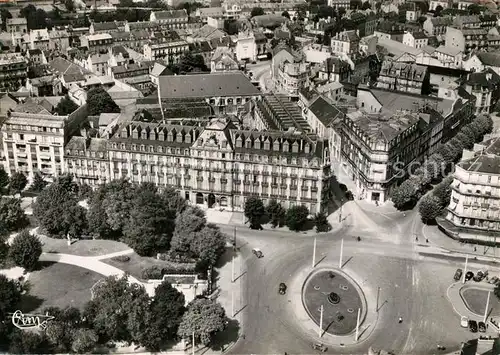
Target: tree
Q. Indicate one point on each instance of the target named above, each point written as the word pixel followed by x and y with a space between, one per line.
pixel 296 217
pixel 204 318
pixel 355 4
pixel 429 208
pixel 10 296
pixel 366 6
pixel 446 152
pixel 257 11
pixel 189 62
pixel 276 213
pixel 254 211
pixel 66 106
pixel 12 216
pixel 321 222
pixel 467 141
pixel 209 244
pixel 443 191
pixel 22 342
pixel 38 183
pixel 25 250
pixel 117 197
pixel 189 221
pixel 438 10
pixel 405 195
pixel 484 124
pixel 4 180
pixel 474 9
pixel 18 182
pixel 4 15
pixel 70 5
pixel 285 14
pixel 113 310
pixel 58 212
pixel 150 225
pixel 4 253
pixel 167 308
pixel 173 199
pixel 84 341
pixel 99 101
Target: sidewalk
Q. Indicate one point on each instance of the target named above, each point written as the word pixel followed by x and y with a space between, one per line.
pixel 438 238
pixel 230 294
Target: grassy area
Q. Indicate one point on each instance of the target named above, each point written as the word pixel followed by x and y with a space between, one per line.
pixel 81 247
pixel 137 264
pixel 60 285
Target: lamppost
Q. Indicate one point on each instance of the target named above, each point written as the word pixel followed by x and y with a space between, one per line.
pixel 340 214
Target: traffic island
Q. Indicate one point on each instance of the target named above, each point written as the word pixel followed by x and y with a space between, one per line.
pixel 332 300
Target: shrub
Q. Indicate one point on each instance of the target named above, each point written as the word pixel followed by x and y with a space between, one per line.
pixel 121 258
pixel 153 272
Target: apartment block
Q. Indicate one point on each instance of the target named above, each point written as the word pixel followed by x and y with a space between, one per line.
pixel 13 71
pixel 216 166
pixel 474 209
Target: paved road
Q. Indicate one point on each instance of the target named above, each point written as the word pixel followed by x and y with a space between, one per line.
pixel 412 285
pixel 262 73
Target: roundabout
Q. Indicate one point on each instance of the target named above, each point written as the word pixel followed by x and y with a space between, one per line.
pixel 336 298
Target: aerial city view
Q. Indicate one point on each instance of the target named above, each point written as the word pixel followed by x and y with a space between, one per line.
pixel 250 177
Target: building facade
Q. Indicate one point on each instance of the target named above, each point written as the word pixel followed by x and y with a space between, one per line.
pixel 170 51
pixel 292 77
pixel 13 72
pixel 474 208
pixel 216 166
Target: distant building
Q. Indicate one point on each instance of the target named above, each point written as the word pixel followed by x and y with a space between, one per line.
pixel 415 39
pixel 13 72
pixel 405 77
pixel 436 26
pixel 292 77
pixel 97 43
pixel 337 4
pixel 18 24
pixel 485 86
pixel 173 19
pixel 170 51
pixel 346 42
pixel 223 60
pixel 466 39
pixel 103 27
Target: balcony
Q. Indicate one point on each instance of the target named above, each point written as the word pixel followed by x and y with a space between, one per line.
pixel 255 183
pixel 304 188
pixel 223 181
pixel 274 186
pixel 246 182
pixel 293 187
pixel 275 173
pixel 314 189
pixel 246 171
pixel 265 173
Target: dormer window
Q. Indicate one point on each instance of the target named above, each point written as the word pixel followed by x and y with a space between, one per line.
pixel 267 145
pixel 239 143
pixel 179 137
pixel 257 144
pixel 276 146
pixel 123 146
pixel 248 143
pixel 143 148
pixel 285 147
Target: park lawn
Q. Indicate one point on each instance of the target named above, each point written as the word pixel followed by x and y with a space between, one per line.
pixel 137 264
pixel 59 285
pixel 83 247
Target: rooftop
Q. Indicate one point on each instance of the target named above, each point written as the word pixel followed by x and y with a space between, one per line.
pixel 487 164
pixel 325 111
pixel 206 85
pixel 383 126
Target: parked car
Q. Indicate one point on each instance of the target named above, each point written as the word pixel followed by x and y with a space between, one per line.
pixel 458 274
pixel 497 282
pixel 464 322
pixel 482 327
pixel 320 347
pixel 257 253
pixel 493 280
pixel 479 276
pixel 473 326
pixel 469 275
pixel 282 288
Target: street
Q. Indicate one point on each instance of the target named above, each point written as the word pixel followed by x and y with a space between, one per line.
pixel 412 282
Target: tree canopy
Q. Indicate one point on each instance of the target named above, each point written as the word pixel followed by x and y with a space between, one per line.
pixel 25 250
pixel 66 106
pixel 254 211
pixel 257 11
pixel 99 101
pixel 12 216
pixel 276 213
pixel 296 217
pixel 18 182
pixel 204 318
pixel 429 208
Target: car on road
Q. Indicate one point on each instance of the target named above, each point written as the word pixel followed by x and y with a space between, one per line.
pixel 282 288
pixel 458 274
pixel 469 275
pixel 464 322
pixel 473 326
pixel 493 280
pixel 479 276
pixel 257 252
pixel 482 327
